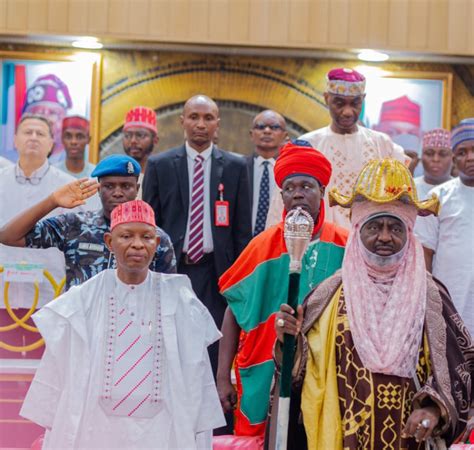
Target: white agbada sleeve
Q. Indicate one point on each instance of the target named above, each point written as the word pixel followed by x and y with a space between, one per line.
pixel 42 400
pixel 196 330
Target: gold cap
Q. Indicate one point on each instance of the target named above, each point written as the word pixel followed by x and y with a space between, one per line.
pixel 384 181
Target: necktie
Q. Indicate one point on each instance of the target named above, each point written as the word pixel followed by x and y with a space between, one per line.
pixel 196 227
pixel 263 200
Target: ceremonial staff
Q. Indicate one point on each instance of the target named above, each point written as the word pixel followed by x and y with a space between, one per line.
pixel 298 231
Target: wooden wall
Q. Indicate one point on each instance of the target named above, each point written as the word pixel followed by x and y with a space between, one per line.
pixel 432 26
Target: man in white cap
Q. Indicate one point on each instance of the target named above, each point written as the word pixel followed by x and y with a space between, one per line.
pixel 448 239
pixel 346 144
pixel 437 160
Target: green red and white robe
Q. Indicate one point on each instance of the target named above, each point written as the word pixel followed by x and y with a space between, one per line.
pixel 255 287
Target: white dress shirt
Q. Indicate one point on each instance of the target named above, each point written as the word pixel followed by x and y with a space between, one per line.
pixel 258 167
pixel 451 237
pixel 4 162
pixel 191 155
pixel 16 195
pixel 423 188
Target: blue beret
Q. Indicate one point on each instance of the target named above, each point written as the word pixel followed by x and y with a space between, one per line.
pixel 119 165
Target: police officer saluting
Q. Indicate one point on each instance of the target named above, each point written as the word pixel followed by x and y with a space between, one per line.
pixel 80 236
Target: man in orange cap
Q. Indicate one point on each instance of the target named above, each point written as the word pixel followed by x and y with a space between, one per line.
pixel 257 284
pixel 126 363
pixel 140 135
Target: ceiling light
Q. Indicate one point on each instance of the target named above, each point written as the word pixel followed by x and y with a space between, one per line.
pixel 371 71
pixel 88 42
pixel 372 56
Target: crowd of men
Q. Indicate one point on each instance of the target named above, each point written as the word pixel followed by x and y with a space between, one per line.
pixel 177 274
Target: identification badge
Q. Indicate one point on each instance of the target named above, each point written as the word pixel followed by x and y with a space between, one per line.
pixel 222 213
pixel 89 246
pixel 222 209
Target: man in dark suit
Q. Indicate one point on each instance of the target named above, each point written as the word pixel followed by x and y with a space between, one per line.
pixel 268 134
pixel 201 198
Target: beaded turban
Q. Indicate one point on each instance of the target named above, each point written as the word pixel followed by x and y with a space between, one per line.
pixel 384 181
pixel 346 82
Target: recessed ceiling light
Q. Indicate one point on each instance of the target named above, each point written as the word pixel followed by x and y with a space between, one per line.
pixel 372 56
pixel 88 42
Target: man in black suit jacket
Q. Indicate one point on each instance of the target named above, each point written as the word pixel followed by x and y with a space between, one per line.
pixel 268 134
pixel 167 187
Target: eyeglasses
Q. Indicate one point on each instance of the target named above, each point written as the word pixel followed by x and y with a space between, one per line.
pixel 273 126
pixel 139 135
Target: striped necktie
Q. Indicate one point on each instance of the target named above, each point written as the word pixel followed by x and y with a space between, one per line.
pixel 263 200
pixel 196 227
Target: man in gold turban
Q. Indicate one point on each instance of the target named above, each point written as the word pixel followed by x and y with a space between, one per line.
pixel 385 359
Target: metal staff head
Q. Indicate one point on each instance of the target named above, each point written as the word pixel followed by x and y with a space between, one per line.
pixel 298 231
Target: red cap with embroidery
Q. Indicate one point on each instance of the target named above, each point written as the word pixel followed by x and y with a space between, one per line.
pixel 141 117
pixel 134 211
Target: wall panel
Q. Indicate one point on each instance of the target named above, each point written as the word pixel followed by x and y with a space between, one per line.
pixel 239 21
pixel 339 21
pixel 418 11
pixel 58 16
pixel 299 23
pixel 17 15
pixel 398 23
pixel 197 17
pixel 119 16
pixel 378 19
pixel 319 20
pixel 98 16
pixel 359 23
pixel 139 13
pixel 219 21
pixel 158 21
pixel 3 14
pixel 37 15
pixel 434 26
pixel 459 24
pixel 259 21
pixel 178 28
pixel 78 17
pixel 437 24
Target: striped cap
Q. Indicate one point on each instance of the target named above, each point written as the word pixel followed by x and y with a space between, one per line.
pixel 463 132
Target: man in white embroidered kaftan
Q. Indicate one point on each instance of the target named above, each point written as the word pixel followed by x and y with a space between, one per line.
pixel 126 362
pixel 347 144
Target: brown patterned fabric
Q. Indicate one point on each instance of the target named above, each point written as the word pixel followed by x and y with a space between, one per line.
pixel 374 407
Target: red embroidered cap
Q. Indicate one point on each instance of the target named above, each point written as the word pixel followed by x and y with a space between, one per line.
pixel 141 117
pixel 134 211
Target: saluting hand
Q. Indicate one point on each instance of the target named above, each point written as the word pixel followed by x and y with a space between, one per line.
pixel 75 193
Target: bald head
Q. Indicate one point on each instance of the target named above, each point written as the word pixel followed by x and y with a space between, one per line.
pixel 268 133
pixel 201 99
pixel 200 121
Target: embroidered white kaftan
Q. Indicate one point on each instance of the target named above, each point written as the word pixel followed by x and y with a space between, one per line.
pixel 451 237
pixel 126 367
pixel 348 154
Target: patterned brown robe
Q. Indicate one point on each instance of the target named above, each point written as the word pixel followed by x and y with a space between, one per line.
pixel 444 371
